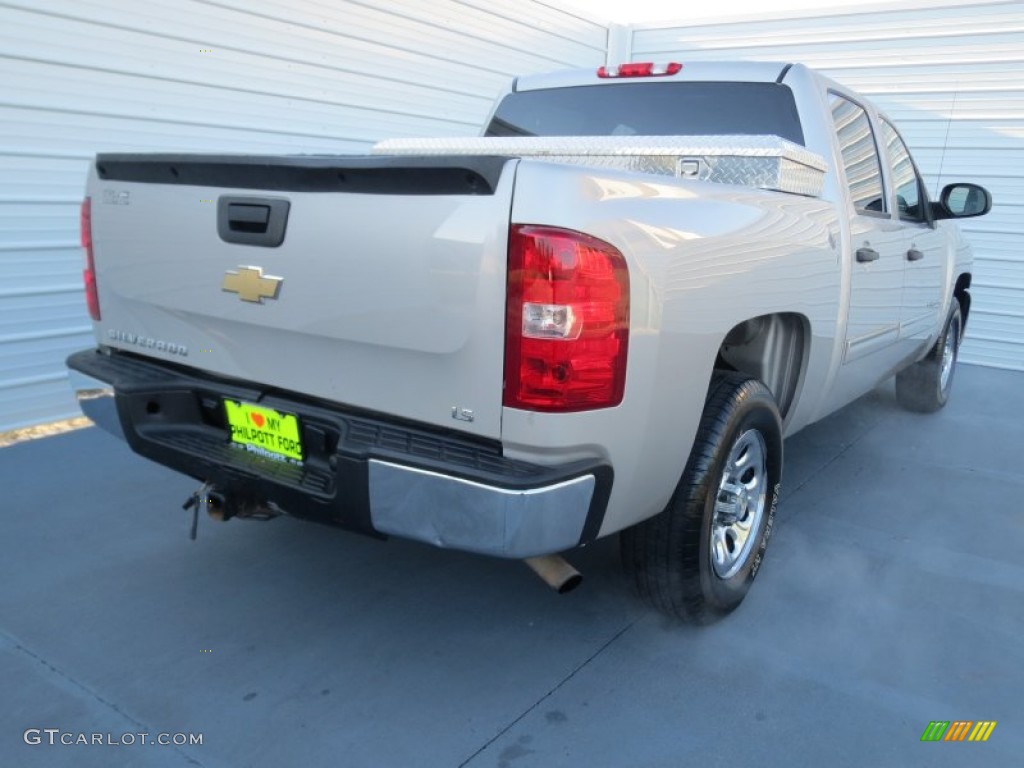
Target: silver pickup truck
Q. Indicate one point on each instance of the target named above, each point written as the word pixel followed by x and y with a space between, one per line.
pixel 603 315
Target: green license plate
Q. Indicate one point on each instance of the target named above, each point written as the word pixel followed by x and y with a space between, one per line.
pixel 264 431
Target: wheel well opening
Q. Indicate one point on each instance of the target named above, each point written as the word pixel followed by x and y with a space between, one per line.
pixel 771 348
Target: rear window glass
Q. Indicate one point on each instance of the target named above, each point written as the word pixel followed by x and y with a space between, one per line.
pixel 650 109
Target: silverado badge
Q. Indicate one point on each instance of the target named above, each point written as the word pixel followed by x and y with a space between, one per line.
pixel 251 284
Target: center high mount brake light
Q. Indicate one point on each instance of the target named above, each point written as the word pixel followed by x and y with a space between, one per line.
pixel 641 69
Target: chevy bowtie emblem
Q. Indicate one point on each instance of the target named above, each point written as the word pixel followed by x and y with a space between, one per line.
pixel 251 284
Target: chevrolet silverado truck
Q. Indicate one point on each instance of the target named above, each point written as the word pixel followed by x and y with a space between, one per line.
pixel 601 316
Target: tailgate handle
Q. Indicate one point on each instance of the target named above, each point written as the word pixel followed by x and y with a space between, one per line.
pixel 252 220
pixel 248 218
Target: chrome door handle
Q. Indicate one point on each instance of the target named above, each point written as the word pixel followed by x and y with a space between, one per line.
pixel 867 254
pixel 914 255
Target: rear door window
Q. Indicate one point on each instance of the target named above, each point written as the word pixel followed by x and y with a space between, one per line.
pixel 860 155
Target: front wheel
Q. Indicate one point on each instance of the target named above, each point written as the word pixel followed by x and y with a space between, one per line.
pixel 697 558
pixel 925 386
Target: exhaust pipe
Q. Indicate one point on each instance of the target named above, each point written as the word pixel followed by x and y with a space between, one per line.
pixel 556 572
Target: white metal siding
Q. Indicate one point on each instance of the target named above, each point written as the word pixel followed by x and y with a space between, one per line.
pixel 952 77
pixel 82 76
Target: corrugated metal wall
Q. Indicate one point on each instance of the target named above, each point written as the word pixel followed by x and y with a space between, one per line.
pixel 78 77
pixel 952 77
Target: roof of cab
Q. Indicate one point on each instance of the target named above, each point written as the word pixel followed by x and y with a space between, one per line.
pixel 705 71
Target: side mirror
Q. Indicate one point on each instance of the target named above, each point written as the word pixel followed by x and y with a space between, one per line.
pixel 961 201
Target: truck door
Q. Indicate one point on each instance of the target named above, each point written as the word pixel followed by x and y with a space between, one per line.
pixel 877 245
pixel 923 257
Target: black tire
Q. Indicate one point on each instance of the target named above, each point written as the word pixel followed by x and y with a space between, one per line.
pixel 922 387
pixel 670 556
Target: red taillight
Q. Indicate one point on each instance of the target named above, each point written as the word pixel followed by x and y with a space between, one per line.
pixel 567 323
pixel 640 69
pixel 92 298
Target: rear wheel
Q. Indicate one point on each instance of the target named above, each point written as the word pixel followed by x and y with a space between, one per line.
pixel 925 386
pixel 697 558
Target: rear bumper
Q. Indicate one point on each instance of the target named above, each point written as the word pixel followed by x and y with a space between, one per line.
pixel 96 399
pixel 361 471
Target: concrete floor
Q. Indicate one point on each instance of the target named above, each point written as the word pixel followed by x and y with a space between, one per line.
pixel 891 596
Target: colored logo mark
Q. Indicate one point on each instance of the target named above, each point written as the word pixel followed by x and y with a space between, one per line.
pixel 251 284
pixel 958 730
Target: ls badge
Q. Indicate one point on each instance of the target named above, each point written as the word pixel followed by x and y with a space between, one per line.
pixel 251 284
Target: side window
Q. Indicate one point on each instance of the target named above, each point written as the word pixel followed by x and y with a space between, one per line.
pixel 860 155
pixel 908 184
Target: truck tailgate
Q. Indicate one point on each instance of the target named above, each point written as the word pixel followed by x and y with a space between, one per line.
pixel 386 293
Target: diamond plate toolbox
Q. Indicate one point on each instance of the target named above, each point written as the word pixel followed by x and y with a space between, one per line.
pixel 767 162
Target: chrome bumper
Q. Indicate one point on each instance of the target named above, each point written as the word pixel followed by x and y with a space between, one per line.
pixel 462 514
pixel 96 399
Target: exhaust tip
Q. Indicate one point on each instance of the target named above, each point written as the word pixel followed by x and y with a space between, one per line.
pixel 556 572
pixel 570 584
